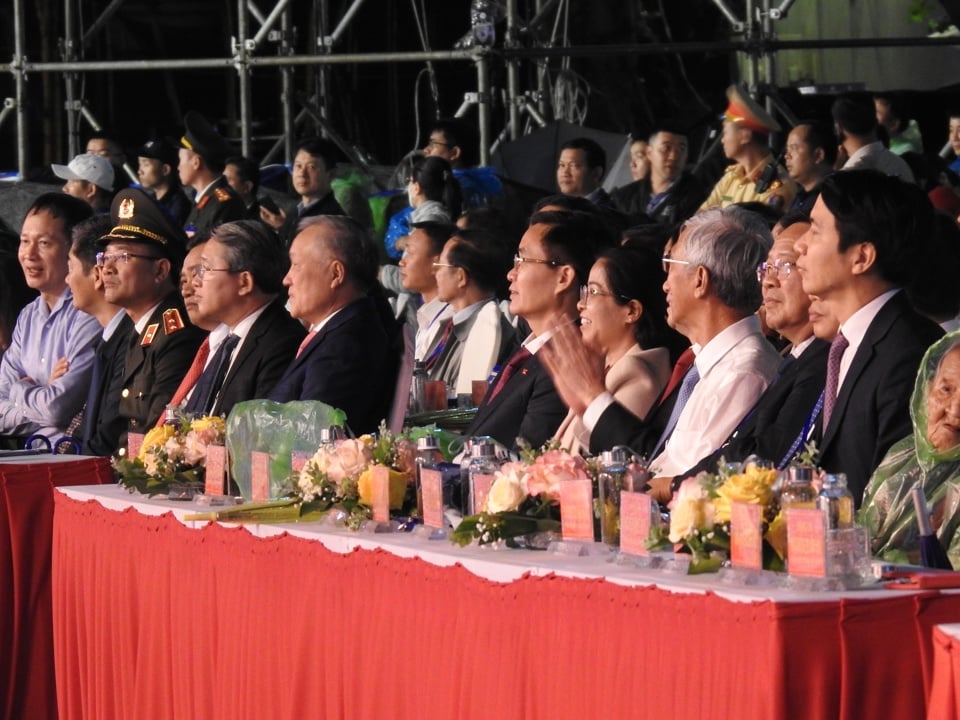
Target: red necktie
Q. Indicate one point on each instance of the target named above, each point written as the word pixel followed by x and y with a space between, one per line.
pixel 684 362
pixel 432 360
pixel 837 348
pixel 190 379
pixel 509 370
pixel 306 341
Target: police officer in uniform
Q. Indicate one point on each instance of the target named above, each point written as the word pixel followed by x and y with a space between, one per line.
pixel 140 264
pixel 755 175
pixel 203 154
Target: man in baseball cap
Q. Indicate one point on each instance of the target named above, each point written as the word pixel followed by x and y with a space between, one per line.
pixel 157 162
pixel 203 153
pixel 140 265
pixel 90 178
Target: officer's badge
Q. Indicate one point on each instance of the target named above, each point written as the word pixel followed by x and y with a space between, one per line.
pixel 125 212
pixel 203 201
pixel 149 334
pixel 172 321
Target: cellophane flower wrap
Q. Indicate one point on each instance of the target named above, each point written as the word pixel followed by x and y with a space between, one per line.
pixel 700 515
pixel 171 454
pixel 524 498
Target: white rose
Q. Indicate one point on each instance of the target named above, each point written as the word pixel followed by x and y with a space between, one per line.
pixel 506 493
pixel 690 511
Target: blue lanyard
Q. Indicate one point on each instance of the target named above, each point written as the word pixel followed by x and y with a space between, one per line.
pixel 807 427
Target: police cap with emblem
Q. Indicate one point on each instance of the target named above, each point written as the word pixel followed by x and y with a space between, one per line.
pixel 747 113
pixel 200 137
pixel 137 218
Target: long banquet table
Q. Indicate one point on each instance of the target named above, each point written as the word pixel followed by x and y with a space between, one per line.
pixel 27 685
pixel 155 617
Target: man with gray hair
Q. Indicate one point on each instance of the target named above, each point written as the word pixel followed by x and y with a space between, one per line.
pixel 712 297
pixel 238 283
pixel 349 358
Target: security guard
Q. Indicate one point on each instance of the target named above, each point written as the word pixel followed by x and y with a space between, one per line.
pixel 755 175
pixel 203 155
pixel 140 264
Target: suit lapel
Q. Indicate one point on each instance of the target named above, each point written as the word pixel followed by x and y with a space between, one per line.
pixel 335 322
pixel 865 353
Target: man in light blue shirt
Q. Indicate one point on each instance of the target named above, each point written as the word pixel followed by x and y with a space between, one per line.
pixel 45 372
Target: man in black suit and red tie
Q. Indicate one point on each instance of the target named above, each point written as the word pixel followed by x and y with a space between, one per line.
pixel 552 262
pixel 350 357
pixel 868 238
pixel 238 284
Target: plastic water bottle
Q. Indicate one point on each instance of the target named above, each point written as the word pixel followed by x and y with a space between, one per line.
pixel 611 480
pixel 483 461
pixel 428 456
pixel 836 501
pixel 799 492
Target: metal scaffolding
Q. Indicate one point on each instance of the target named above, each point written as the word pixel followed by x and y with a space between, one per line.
pixel 754 35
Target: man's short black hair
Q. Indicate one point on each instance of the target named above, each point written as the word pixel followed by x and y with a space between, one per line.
pixel 595 155
pixel 247 170
pixel 462 134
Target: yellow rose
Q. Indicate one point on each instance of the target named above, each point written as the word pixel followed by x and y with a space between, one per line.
pixel 157 437
pixel 398 488
pixel 210 422
pixel 776 535
pixel 754 485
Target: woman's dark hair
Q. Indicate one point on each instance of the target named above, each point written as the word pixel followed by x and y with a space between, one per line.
pixel 484 257
pixel 637 274
pixel 437 182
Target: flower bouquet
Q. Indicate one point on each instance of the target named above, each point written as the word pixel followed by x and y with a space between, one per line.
pixel 338 477
pixel 171 455
pixel 524 499
pixel 700 516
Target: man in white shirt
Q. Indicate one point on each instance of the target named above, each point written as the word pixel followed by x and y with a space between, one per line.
pixel 860 147
pixel 712 295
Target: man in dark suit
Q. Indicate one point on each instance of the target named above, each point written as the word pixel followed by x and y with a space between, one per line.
pixel 869 234
pixel 99 425
pixel 140 264
pixel 203 153
pixel 552 262
pixel 238 284
pixel 349 358
pixel 314 166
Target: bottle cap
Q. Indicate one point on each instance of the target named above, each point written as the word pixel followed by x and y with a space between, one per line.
pixel 428 442
pixel 331 433
pixel 802 473
pixel 482 447
pixel 617 456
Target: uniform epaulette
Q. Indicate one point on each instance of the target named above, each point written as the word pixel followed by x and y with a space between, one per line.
pixel 172 322
pixel 221 195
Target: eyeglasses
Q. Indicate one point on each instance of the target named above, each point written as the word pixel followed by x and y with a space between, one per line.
pixel 667 260
pixel 589 291
pixel 202 270
pixel 122 257
pixel 780 268
pixel 518 261
pixel 443 265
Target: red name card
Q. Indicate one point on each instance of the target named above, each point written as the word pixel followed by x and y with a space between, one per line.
pixel 134 443
pixel 260 475
pixel 806 542
pixel 636 509
pixel 216 470
pixel 479 489
pixel 380 478
pixel 431 493
pixel 576 509
pixel 299 458
pixel 746 539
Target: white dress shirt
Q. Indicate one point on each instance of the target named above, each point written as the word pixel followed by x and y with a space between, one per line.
pixel 735 367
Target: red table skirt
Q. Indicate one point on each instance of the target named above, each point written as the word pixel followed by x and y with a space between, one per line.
pixel 156 620
pixel 27 686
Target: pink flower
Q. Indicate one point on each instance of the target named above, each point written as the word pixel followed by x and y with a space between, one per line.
pixel 347 460
pixel 552 468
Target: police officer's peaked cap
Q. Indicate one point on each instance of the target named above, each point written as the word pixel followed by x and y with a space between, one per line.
pixel 137 218
pixel 747 113
pixel 199 136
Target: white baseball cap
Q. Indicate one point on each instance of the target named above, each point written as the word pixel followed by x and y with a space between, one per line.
pixel 89 167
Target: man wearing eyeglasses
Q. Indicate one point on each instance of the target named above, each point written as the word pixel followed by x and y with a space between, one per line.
pixel 552 262
pixel 45 371
pixel 776 428
pixel 238 284
pixel 140 264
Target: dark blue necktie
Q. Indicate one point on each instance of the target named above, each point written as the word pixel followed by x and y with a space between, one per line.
pixel 208 386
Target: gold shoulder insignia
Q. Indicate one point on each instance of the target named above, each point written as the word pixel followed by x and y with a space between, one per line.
pixel 731 168
pixel 172 321
pixel 149 334
pixel 222 195
pixel 776 185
